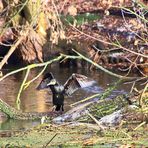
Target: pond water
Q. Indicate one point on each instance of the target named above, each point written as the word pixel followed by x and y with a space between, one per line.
pixel 33 100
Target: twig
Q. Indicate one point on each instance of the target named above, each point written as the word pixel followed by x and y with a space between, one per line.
pixel 142 96
pixel 97 122
pixel 139 125
pixel 114 44
pixel 21 88
pixel 133 85
pixel 32 80
pixel 128 136
pixel 50 140
pixel 86 99
pixel 40 64
pixel 60 23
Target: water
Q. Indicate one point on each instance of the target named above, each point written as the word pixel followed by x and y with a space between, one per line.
pixel 33 100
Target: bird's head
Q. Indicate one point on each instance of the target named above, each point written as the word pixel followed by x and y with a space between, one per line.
pixel 47 81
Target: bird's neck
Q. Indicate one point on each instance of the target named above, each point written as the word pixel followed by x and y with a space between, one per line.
pixel 57 88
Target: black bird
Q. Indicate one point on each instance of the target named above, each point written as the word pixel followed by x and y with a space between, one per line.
pixel 74 82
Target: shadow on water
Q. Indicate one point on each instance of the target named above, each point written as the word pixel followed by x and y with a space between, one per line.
pixel 41 101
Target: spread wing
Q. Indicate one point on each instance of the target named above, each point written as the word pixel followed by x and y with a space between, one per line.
pixel 76 81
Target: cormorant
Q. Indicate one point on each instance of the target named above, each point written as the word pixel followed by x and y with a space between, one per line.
pixel 74 82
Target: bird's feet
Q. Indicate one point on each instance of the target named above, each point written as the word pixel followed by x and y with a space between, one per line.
pixel 57 109
pixel 53 108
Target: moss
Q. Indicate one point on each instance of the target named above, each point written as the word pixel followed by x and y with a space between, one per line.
pixel 81 18
pixel 75 136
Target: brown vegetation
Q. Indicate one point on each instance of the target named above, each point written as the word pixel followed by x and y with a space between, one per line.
pixel 113 41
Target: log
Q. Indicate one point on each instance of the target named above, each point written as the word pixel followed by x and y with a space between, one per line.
pixel 19 115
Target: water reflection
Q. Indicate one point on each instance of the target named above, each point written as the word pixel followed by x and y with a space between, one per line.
pixel 41 101
pixel 31 99
pixel 11 124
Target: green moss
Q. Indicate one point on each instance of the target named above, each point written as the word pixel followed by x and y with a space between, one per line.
pixel 80 18
pixel 78 136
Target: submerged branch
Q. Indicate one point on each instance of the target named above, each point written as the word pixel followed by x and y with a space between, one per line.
pixel 101 96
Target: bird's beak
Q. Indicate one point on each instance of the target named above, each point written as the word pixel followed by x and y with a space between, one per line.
pixel 52 82
pixel 40 86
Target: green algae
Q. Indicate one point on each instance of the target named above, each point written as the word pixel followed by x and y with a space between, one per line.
pixel 47 134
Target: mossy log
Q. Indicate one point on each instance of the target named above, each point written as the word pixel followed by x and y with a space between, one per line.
pixel 19 115
pixel 104 106
pixel 109 106
pixel 99 109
